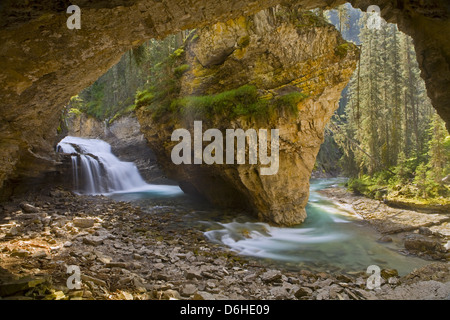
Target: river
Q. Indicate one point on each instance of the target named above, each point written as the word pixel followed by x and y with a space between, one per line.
pixel 331 239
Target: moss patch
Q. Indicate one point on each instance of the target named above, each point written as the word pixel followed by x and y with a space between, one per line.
pixel 243 102
pixel 180 70
pixel 342 50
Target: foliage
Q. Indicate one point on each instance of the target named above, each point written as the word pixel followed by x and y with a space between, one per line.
pixel 231 104
pixel 244 42
pixel 75 111
pixel 180 70
pixel 117 92
pixel 393 143
pixel 143 98
pixel 342 49
pixel 123 112
pixel 358 186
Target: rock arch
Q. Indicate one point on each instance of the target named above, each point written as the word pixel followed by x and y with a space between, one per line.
pixel 43 64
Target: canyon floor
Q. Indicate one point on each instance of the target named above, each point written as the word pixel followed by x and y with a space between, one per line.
pixel 126 253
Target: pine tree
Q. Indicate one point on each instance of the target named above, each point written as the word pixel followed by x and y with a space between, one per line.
pixel 438 153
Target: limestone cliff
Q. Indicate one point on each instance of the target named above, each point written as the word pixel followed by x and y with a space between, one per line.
pixel 298 64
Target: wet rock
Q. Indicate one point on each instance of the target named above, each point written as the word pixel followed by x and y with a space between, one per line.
pixel 425 231
pixel 282 200
pixel 385 239
pixel 418 242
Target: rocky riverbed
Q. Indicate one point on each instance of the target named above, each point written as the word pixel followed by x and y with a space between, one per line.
pixel 423 234
pixel 124 252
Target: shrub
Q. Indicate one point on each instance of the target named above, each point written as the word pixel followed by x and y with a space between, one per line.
pixel 180 70
pixel 289 102
pixel 357 186
pixel 143 98
pixel 342 49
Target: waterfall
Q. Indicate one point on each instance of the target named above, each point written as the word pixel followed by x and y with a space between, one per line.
pixel 96 170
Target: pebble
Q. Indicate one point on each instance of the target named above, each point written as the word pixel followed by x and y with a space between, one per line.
pixel 83 222
pixel 188 290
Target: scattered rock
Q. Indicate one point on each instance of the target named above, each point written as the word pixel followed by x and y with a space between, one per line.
pixel 271 276
pixel 123 295
pixel 28 208
pixel 421 243
pixel 171 294
pixel 20 253
pixel 121 265
pixel 93 240
pixel 193 274
pixel 39 255
pixel 188 290
pixel 83 222
pixel 425 231
pixel 385 239
pixel 202 295
pixel 303 292
pixel 97 281
pixel 388 273
pixel 13 287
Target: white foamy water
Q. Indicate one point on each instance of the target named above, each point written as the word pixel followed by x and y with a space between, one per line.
pixel 332 235
pixel 96 170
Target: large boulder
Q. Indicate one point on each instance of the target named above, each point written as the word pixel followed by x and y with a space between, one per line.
pixel 282 54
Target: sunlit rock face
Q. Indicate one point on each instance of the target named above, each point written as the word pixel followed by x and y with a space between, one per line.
pixel 279 55
pixel 43 63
